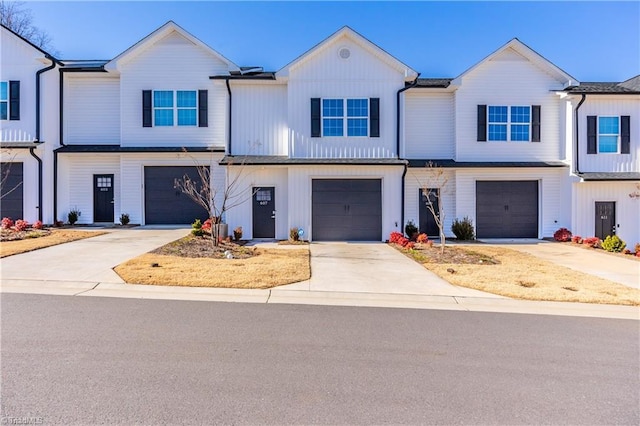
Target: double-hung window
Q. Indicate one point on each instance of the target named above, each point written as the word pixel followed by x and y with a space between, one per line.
pixel 509 123
pixel 4 100
pixel 608 134
pixel 171 107
pixel 350 121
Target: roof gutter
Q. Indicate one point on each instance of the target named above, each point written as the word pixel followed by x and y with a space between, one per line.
pixel 38 73
pixel 577 162
pixel 39 160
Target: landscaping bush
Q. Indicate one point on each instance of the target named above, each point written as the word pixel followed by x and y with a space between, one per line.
pixel 613 243
pixel 463 229
pixel 196 228
pixel 124 219
pixel 411 230
pixel 7 223
pixel 206 226
pixel 563 235
pixel 294 235
pixel 37 225
pixel 576 239
pixel 636 249
pixel 21 225
pixel 422 238
pixel 399 239
pixel 73 216
pixel 591 241
pixel 237 233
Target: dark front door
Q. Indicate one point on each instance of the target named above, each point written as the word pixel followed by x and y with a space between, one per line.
pixel 166 204
pixel 103 198
pixel 605 219
pixel 11 191
pixel 346 209
pixel 264 212
pixel 427 223
pixel 507 209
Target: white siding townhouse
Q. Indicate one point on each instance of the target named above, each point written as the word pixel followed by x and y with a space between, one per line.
pixel 336 142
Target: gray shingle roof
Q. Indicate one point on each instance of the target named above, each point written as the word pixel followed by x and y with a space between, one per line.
pixel 433 83
pixel 284 160
pixel 485 164
pixel 118 148
pixel 631 86
pixel 595 176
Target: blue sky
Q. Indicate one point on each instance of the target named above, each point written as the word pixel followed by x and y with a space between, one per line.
pixel 593 41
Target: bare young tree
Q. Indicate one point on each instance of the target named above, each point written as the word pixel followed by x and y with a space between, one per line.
pixel 16 16
pixel 433 188
pixel 215 200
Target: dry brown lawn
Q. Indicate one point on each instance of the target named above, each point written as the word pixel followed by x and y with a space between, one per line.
pixel 523 276
pixel 57 236
pixel 267 268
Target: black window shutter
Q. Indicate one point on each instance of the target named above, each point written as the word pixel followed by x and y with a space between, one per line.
pixel 203 108
pixel 482 123
pixel 535 123
pixel 374 117
pixel 315 117
pixel 625 134
pixel 592 137
pixel 146 108
pixel 14 100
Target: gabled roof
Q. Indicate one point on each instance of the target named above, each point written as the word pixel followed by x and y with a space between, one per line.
pixel 39 49
pixel 157 35
pixel 346 31
pixel 530 54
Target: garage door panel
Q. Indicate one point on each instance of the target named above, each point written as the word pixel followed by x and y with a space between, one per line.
pixel 507 209
pixel 346 209
pixel 12 201
pixel 165 204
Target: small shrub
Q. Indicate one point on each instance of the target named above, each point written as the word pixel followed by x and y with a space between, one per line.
pixel 73 216
pixel 237 233
pixel 294 235
pixel 7 223
pixel 463 229
pixel 422 238
pixel 591 241
pixel 627 251
pixel 124 219
pixel 394 237
pixel 576 239
pixel 196 228
pixel 58 224
pixel 614 244
pixel 411 230
pixel 410 245
pixel 206 226
pixel 37 225
pixel 563 235
pixel 21 225
pixel 636 248
pixel 401 240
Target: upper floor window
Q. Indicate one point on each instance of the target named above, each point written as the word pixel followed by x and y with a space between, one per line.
pixel 345 117
pixel 509 123
pixel 4 100
pixel 170 108
pixel 608 134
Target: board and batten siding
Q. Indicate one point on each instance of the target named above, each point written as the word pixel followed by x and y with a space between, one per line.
pixel 585 195
pixel 259 119
pixel 259 176
pixel 132 172
pixel 553 210
pixel 91 109
pixel 416 179
pixel 508 80
pixel 326 75
pixel 428 125
pixel 300 178
pixel 75 183
pixel 173 63
pixel 610 106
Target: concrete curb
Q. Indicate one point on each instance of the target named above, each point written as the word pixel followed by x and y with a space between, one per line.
pixel 332 298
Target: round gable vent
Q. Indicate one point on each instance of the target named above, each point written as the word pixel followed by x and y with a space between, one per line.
pixel 344 53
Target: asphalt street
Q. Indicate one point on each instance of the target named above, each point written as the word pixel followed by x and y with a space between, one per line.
pixel 77 360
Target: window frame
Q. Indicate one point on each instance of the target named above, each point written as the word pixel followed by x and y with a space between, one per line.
pixel 617 135
pixel 510 124
pixel 5 101
pixel 174 108
pixel 345 117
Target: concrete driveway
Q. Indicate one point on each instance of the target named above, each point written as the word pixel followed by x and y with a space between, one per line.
pixel 88 260
pixel 373 268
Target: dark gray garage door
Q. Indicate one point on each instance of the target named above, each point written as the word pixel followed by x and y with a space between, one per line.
pixel 12 191
pixel 164 204
pixel 507 209
pixel 346 210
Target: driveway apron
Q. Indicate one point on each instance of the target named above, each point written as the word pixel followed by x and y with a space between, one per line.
pixel 373 268
pixel 88 260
